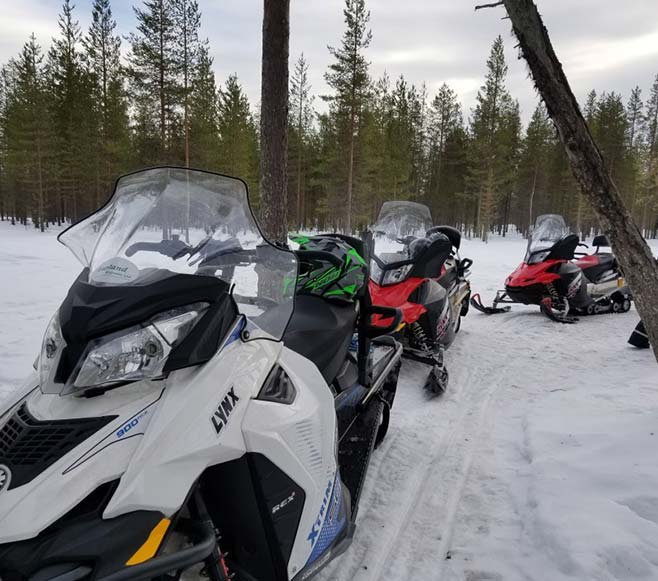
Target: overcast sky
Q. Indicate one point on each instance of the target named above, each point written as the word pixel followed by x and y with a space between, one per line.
pixel 607 45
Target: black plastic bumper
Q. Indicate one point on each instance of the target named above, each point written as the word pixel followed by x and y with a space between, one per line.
pixel 197 553
pixel 98 550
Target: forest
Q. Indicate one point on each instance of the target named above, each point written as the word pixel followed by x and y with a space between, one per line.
pixel 94 105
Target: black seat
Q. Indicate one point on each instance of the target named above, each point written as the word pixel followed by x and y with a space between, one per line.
pixel 321 331
pixel 607 264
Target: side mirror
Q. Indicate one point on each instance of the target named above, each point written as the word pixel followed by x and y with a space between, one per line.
pixel 600 240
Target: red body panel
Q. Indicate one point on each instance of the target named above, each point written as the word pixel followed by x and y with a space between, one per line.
pixel 588 261
pixel 397 296
pixel 529 274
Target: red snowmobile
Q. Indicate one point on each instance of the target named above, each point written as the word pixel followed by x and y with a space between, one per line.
pixel 417 269
pixel 565 284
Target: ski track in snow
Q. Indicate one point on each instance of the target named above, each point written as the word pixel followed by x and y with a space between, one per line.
pixel 537 464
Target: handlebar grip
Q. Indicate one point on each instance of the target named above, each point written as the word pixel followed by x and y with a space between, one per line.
pixel 385 312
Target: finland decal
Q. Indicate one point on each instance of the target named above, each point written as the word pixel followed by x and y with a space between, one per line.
pixel 221 415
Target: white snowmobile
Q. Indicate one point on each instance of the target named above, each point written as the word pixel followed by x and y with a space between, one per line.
pixel 186 410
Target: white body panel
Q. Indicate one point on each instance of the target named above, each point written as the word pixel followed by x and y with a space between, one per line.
pixel 27 510
pixel 300 439
pixel 164 438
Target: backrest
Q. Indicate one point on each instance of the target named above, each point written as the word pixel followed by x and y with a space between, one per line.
pixel 429 263
pixel 600 240
pixel 454 235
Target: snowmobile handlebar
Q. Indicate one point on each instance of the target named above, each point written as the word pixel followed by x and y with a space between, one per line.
pixel 386 313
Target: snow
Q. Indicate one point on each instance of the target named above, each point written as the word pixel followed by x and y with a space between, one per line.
pixel 539 463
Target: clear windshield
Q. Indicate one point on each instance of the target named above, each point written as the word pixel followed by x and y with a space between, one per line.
pixel 165 221
pixel 402 219
pixel 548 229
pixel 397 224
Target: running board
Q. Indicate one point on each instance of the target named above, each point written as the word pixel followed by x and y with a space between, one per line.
pixel 394 358
pixel 355 449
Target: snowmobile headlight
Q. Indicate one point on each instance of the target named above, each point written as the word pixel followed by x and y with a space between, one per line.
pixel 51 349
pixel 387 277
pixel 136 353
pixel 539 257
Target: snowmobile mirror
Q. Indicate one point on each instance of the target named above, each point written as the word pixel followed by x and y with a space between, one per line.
pixel 600 240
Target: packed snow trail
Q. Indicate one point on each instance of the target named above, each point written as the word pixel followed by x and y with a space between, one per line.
pixel 538 463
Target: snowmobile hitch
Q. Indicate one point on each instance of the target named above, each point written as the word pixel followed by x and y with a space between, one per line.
pixel 476 302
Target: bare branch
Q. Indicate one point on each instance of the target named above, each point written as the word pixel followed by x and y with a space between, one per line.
pixel 491 5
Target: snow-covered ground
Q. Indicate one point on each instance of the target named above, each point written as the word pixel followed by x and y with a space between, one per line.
pixel 538 464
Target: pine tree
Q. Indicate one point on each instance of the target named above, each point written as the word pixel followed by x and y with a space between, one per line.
pixel 534 165
pixel 238 135
pixel 112 138
pixel 187 18
pixel 29 137
pixel 348 77
pixel 635 117
pixel 494 131
pixel 155 74
pixel 72 105
pixel 445 120
pixel 301 125
pixel 650 197
pixel 203 114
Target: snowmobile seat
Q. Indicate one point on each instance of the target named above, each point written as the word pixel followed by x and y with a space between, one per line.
pixel 564 249
pixel 606 264
pixel 321 331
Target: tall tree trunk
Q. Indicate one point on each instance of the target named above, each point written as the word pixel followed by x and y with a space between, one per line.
pixel 300 130
pixel 186 82
pixel 586 161
pixel 274 120
pixel 163 135
pixel 532 199
pixel 350 175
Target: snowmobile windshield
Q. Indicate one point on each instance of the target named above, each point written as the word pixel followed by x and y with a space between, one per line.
pixel 548 230
pixel 163 222
pixel 402 219
pixel 398 224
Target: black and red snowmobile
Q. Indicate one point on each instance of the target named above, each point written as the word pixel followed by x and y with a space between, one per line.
pixel 565 284
pixel 417 269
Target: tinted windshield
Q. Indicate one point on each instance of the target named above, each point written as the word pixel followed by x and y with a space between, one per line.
pixel 548 229
pixel 166 221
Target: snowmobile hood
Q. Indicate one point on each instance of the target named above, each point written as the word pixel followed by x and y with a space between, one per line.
pixel 131 435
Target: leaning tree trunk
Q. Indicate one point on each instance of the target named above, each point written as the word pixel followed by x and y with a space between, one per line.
pixel 586 161
pixel 274 120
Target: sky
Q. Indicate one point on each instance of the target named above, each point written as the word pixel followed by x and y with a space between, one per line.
pixel 606 45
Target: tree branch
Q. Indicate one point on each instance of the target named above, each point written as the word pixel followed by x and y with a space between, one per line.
pixel 491 5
